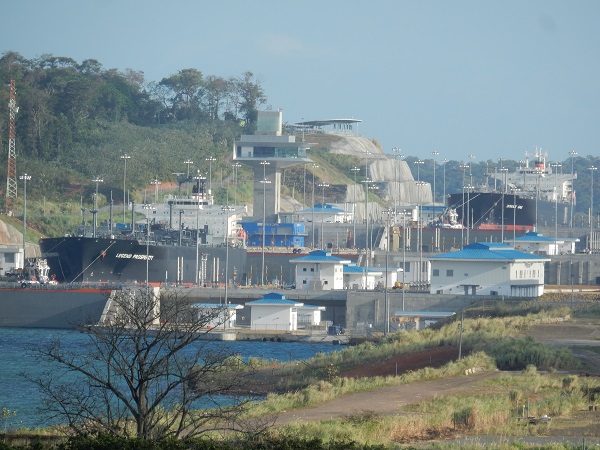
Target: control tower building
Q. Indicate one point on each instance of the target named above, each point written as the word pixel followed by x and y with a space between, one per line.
pixel 268 151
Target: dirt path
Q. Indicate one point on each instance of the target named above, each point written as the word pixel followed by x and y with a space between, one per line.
pixel 388 400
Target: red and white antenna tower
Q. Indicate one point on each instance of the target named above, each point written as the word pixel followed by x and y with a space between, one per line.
pixel 11 177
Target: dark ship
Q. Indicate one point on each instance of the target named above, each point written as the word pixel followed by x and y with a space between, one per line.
pixel 533 196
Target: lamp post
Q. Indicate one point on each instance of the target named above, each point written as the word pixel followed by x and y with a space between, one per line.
pixel 433 155
pixel 592 170
pixel 323 186
pixel 386 308
pixel 355 170
pixel 198 197
pixel 264 182
pixel 125 157
pixel 155 183
pixel 227 209
pixel 462 207
pixel 313 167
pixel 188 162
pixel 25 178
pixel 444 161
pixel 555 167
pixel 503 170
pixel 235 167
pixel 95 210
pixel 403 255
pixel 210 160
pixel 573 153
pixel 397 156
pixel 147 207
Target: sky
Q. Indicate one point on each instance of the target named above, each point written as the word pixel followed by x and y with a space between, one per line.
pixel 490 79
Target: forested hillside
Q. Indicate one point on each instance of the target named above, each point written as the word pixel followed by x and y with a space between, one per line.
pixel 76 120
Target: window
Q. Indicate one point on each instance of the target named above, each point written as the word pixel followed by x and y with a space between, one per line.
pixel 312 269
pixel 435 273
pixel 9 258
pixel 325 282
pixel 303 281
pixel 304 269
pixel 449 273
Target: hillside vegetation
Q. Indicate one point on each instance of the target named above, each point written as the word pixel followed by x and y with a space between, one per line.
pixel 76 120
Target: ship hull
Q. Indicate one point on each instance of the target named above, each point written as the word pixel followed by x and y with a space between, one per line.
pixel 85 259
pixel 50 308
pixel 485 209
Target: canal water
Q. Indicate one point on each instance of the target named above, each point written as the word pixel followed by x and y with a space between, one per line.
pixel 21 395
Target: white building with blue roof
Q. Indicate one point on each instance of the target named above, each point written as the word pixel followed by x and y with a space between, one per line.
pixel 274 312
pixel 319 271
pixel 488 268
pixel 534 242
pixel 357 277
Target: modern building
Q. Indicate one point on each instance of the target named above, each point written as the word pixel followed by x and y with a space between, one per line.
pixel 276 234
pixel 222 316
pixel 274 312
pixel 537 243
pixel 268 152
pixel 488 268
pixel 11 258
pixel 356 277
pixel 319 271
pixel 309 315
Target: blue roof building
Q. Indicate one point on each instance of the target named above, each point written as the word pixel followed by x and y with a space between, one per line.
pixel 274 312
pixel 319 270
pixel 488 268
pixel 534 242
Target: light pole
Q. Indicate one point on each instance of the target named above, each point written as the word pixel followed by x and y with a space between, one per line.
pixel 155 183
pixel 503 170
pixel 210 160
pixel 355 170
pixel 125 157
pixel 198 177
pixel 403 255
pixel 573 153
pixel 433 155
pixel 148 207
pixel 235 167
pixel 227 209
pixel 313 167
pixel 386 305
pixel 323 186
pixel 95 210
pixel 397 156
pixel 592 170
pixel 188 162
pixel 555 167
pixel 25 178
pixel 444 161
pixel 462 207
pixel 264 182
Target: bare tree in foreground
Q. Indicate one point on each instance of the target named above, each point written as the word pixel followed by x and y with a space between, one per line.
pixel 146 373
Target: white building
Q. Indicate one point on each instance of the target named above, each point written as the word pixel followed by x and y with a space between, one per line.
pixel 274 312
pixel 309 315
pixel 537 243
pixel 488 268
pixel 11 258
pixel 223 316
pixel 319 271
pixel 356 277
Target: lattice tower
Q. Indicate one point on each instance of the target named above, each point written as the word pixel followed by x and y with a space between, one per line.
pixel 11 177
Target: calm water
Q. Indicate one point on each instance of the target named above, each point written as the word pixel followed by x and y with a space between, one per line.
pixel 17 393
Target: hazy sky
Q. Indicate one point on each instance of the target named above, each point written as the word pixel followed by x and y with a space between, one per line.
pixel 488 78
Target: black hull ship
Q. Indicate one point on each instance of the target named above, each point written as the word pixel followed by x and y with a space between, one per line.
pixel 129 260
pixel 535 195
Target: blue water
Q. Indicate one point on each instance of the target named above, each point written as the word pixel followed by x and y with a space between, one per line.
pixel 21 395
